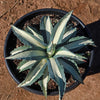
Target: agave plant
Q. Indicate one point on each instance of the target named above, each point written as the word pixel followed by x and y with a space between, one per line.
pixel 53 58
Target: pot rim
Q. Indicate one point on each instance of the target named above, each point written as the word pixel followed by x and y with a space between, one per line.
pixel 44 11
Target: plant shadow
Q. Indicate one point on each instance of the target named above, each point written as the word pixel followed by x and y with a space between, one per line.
pixel 94 29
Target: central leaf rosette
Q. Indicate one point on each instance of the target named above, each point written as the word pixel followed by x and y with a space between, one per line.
pixel 50 59
pixel 51 49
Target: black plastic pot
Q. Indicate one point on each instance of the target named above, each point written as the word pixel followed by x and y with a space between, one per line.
pixel 11 41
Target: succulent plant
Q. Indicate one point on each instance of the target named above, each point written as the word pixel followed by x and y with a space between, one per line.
pixel 53 58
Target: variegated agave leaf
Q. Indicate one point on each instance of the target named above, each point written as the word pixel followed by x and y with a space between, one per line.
pixel 34 31
pixel 20 49
pixel 71 69
pixel 77 43
pixel 43 82
pixel 29 55
pixel 71 33
pixel 35 73
pixel 27 38
pixel 63 52
pixel 46 27
pixel 56 72
pixel 59 29
pixel 24 65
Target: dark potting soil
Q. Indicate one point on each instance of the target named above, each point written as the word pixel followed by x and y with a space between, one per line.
pixel 52 86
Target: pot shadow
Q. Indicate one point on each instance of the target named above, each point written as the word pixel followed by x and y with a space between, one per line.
pixel 94 29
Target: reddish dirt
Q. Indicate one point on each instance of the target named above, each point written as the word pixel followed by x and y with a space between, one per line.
pixel 87 10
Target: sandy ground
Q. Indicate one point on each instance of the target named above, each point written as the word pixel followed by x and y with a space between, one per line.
pixel 87 10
